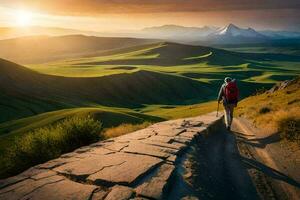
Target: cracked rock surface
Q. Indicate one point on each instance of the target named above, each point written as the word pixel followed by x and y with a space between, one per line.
pixel 139 165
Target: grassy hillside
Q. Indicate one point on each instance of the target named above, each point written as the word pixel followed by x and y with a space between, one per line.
pixel 137 77
pixel 109 117
pixel 276 111
pixel 25 92
pixel 38 49
pixel 176 112
pixel 196 62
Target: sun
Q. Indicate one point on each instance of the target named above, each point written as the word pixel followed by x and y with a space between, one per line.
pixel 23 18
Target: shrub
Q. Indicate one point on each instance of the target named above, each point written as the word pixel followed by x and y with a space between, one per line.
pixel 264 110
pixel 289 128
pixel 47 143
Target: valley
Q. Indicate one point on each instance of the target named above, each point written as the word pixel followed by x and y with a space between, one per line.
pixel 135 83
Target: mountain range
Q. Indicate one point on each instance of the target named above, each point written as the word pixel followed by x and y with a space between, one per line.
pixel 207 35
pixel 230 34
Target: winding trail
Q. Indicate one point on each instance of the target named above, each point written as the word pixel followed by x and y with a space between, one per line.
pixel 192 158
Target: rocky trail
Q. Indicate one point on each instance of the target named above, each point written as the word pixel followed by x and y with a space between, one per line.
pixel 193 158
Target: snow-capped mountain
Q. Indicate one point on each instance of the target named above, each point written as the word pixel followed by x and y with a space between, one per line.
pixel 232 34
pixel 233 30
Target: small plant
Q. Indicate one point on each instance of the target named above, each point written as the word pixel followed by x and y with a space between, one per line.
pixel 289 128
pixel 264 110
pixel 47 143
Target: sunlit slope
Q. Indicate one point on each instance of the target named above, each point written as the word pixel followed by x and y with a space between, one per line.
pixel 23 88
pixel 277 110
pixel 108 117
pixel 196 62
pixel 38 49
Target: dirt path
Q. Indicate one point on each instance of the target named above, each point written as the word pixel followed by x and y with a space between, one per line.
pixel 274 164
pixel 238 165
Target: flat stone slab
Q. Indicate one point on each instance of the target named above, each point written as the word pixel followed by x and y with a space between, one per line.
pixel 26 187
pixel 160 138
pixel 116 146
pixel 119 192
pixel 90 165
pixel 137 166
pixel 165 130
pixel 61 190
pixel 131 167
pixel 146 149
pixel 155 186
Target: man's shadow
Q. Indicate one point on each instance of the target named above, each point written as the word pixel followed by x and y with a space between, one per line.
pixel 257 142
pixel 254 164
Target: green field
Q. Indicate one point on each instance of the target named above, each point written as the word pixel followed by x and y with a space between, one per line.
pixel 149 78
pixel 149 82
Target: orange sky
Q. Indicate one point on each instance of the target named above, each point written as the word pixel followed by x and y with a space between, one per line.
pixel 110 15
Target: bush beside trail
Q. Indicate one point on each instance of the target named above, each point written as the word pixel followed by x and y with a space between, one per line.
pixel 50 142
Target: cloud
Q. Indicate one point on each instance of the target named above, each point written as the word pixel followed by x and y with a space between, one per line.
pixel 98 7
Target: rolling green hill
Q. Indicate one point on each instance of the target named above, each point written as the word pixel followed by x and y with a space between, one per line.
pixel 25 92
pixel 196 62
pixel 137 77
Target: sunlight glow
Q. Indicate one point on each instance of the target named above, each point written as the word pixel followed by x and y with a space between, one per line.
pixel 23 18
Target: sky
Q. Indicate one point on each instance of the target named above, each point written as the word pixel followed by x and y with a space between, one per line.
pixel 123 15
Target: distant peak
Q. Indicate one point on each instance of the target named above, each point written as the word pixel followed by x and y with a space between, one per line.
pixel 232 26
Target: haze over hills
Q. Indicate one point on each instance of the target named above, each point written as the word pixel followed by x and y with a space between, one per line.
pixel 209 35
pixel 14 32
pixel 175 32
pixel 38 49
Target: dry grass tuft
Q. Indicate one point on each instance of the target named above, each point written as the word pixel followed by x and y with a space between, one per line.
pixel 288 125
pixel 124 129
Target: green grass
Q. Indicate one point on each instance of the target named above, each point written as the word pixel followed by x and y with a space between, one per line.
pixel 50 142
pixel 109 117
pixel 44 125
pixel 208 63
pixel 176 112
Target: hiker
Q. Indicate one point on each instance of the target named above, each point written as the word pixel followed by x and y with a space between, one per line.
pixel 229 95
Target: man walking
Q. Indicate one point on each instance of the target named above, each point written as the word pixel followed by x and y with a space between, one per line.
pixel 229 94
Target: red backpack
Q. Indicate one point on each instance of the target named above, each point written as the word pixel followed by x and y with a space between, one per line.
pixel 231 92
